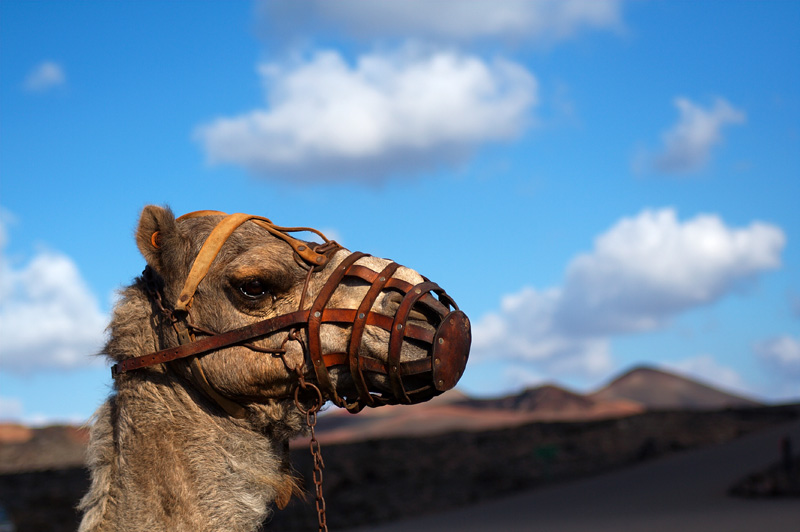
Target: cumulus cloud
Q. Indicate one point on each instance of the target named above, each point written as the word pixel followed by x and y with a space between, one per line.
pixel 688 144
pixel 49 318
pixel 408 111
pixel 646 269
pixel 641 273
pixel 526 329
pixel 444 20
pixel 45 76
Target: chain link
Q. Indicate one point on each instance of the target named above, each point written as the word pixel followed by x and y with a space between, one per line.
pixel 319 465
pixel 314 446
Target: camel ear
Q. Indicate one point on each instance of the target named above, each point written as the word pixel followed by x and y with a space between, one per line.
pixel 158 237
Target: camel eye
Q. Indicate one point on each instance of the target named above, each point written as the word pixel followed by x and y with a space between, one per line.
pixel 254 288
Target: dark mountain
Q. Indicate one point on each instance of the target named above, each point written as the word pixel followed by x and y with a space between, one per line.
pixel 547 397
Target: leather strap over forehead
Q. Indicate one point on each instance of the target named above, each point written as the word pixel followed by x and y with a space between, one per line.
pixel 221 233
pixel 207 254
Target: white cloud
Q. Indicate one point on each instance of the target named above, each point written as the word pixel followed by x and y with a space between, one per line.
pixel 782 355
pixel 526 329
pixel 646 269
pixel 46 75
pixel 388 113
pixel 641 273
pixel 688 144
pixel 447 20
pixel 49 319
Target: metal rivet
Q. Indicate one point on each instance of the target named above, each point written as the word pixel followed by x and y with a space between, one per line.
pixel 437 361
pixel 441 340
pixel 441 382
pixel 361 316
pixel 301 248
pixel 317 362
pixel 417 291
pixel 184 297
pixel 317 314
pixel 394 368
pixel 319 259
pixel 382 279
pixel 399 326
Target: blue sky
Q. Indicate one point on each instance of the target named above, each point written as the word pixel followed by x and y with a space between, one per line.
pixel 598 184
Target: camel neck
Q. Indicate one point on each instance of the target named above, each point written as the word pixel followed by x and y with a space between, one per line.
pixel 161 462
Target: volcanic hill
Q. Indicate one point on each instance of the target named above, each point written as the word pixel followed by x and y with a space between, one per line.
pixel 634 392
pixel 656 389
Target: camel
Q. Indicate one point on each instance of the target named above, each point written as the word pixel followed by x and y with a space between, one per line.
pixel 194 436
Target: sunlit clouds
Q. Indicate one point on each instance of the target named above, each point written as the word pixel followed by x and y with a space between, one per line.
pixel 326 119
pixel 642 272
pixel 49 318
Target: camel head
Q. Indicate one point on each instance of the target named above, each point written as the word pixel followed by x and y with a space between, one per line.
pixel 249 313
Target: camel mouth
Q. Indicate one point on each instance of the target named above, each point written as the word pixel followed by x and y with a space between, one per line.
pixel 390 322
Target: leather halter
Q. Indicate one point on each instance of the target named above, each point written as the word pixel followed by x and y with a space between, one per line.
pixel 446 341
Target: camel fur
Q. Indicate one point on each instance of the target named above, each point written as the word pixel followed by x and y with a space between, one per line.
pixel 165 457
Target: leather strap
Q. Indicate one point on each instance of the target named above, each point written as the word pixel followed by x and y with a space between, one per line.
pixel 398 334
pixel 220 234
pixel 234 409
pixel 256 330
pixel 357 332
pixel 315 321
pixel 209 251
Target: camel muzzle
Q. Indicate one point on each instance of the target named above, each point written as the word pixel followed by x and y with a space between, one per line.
pixel 444 336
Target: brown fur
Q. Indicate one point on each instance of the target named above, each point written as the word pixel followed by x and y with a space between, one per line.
pixel 163 456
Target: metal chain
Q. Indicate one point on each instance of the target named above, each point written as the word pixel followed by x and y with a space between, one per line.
pixel 314 446
pixel 319 465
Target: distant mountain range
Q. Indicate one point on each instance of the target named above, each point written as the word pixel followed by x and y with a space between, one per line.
pixel 639 390
pixel 634 392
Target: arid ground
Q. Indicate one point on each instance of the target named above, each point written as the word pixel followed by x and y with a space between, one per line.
pixel 685 492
